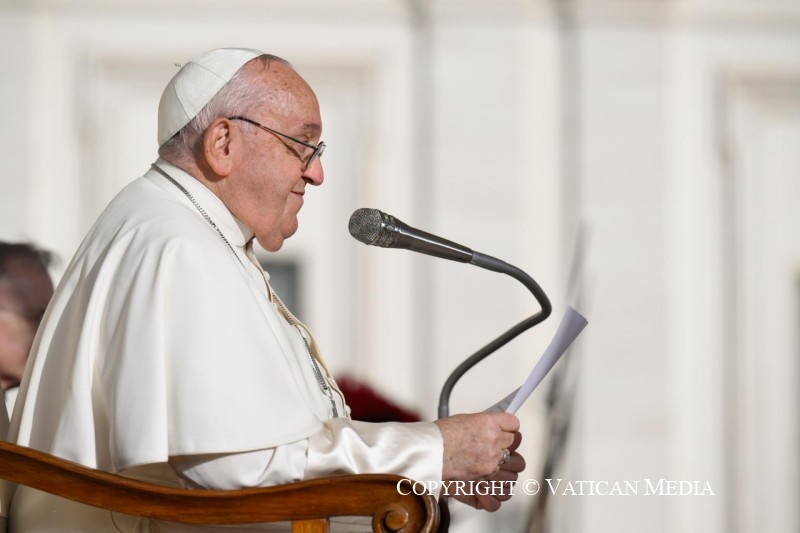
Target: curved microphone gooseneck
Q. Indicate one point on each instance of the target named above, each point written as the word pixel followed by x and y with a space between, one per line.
pixel 376 228
pixel 472 360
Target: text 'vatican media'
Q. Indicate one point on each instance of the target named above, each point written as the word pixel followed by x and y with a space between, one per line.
pixel 557 487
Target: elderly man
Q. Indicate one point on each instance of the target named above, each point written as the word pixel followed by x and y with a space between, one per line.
pixel 165 354
pixel 25 290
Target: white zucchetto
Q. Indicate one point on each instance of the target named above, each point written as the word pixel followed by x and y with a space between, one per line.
pixel 195 84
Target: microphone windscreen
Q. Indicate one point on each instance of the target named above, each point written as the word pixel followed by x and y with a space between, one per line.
pixel 365 225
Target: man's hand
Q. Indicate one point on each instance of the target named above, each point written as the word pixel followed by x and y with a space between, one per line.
pixel 508 473
pixel 473 449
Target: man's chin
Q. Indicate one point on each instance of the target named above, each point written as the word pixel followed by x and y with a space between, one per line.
pixel 273 243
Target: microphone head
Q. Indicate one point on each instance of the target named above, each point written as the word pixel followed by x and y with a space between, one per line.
pixel 369 226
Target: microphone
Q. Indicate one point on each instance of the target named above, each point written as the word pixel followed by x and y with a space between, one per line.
pixel 376 228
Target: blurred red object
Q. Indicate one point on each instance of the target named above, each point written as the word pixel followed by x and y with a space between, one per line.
pixel 369 406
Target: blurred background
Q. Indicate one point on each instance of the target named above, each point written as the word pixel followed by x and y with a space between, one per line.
pixel 639 158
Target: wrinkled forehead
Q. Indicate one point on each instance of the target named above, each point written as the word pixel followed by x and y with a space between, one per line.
pixel 285 92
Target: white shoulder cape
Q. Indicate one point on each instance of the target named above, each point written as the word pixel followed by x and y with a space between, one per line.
pixel 159 343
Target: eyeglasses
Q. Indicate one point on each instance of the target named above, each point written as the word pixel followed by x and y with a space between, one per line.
pixel 318 149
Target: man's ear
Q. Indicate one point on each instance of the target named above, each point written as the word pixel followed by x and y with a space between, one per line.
pixel 217 147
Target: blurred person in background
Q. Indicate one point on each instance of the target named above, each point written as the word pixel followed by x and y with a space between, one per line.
pixel 25 291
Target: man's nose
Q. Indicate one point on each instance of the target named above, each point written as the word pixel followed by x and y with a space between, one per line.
pixel 314 174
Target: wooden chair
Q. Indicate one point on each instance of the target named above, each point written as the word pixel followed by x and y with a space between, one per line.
pixel 308 504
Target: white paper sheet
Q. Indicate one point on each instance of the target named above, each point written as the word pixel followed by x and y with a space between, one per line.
pixel 572 323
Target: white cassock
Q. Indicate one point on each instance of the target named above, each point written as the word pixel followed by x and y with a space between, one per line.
pixel 11 397
pixel 164 357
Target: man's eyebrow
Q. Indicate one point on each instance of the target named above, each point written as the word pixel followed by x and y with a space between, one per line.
pixel 311 127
